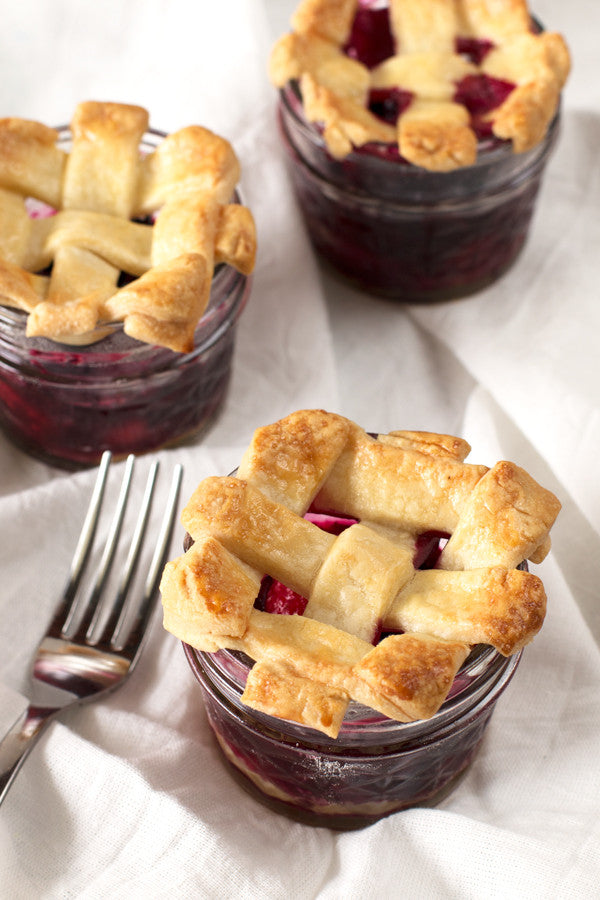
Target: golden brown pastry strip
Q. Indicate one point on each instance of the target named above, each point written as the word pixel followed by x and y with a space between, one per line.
pixel 505 520
pixel 31 164
pixel 289 460
pixel 101 173
pixel 406 677
pixel 265 535
pixel 497 606
pixel 407 489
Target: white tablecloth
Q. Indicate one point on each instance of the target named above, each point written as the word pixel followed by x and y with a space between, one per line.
pixel 128 797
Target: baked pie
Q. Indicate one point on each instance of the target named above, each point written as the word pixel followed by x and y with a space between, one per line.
pixel 373 627
pixel 432 76
pixel 97 232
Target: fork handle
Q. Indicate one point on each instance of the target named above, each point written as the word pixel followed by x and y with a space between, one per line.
pixel 17 743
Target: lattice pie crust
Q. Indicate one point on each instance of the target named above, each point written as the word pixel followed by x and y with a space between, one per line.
pixel 97 189
pixel 398 485
pixel 434 131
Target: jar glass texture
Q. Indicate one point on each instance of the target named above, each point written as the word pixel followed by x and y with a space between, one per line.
pixel 66 404
pixel 403 232
pixel 375 767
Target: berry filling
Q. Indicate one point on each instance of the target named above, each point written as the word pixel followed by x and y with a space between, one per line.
pixel 481 94
pixel 341 788
pixel 389 103
pixel 68 405
pixel 475 49
pixel 56 409
pixel 275 597
pixel 371 40
pixel 36 209
pixel 428 549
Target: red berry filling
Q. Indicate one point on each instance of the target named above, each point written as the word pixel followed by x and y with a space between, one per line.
pixel 481 94
pixel 475 49
pixel 36 209
pixel 275 597
pixel 428 549
pixel 331 523
pixel 371 39
pixel 389 103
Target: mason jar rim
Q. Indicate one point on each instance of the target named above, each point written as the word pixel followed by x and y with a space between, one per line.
pixel 233 285
pixel 364 729
pixel 519 165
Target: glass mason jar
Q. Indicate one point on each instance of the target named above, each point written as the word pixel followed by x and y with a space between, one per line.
pixel 66 404
pixel 375 767
pixel 400 231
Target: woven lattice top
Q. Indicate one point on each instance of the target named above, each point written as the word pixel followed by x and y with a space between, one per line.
pixel 452 63
pixel 394 488
pixel 164 218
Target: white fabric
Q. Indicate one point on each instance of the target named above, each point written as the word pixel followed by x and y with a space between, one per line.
pixel 127 797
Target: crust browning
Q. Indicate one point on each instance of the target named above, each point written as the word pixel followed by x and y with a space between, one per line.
pixel 96 189
pixel 427 65
pixel 363 580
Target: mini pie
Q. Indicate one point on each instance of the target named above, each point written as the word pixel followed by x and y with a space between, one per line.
pixel 443 51
pixel 165 219
pixel 394 487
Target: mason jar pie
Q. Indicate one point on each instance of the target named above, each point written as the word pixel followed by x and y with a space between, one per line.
pixel 125 263
pixel 416 137
pixel 352 606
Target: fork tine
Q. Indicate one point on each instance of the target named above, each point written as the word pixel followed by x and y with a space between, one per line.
pixel 65 610
pixel 117 613
pixel 147 603
pixel 93 606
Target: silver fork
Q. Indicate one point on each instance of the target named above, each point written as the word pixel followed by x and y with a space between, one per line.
pixel 73 663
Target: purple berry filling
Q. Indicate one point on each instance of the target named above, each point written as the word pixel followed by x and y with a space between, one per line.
pixel 481 94
pixel 475 49
pixel 428 549
pixel 370 40
pixel 347 793
pixel 389 103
